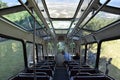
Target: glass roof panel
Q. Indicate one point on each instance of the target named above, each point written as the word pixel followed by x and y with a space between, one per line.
pixel 61 24
pixel 83 8
pixel 41 7
pixel 86 19
pixel 24 20
pixel 72 27
pixel 113 3
pixel 84 33
pixel 62 8
pixel 101 20
pixel 61 31
pixel 9 3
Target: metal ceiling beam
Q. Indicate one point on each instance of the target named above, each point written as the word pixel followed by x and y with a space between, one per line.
pixel 37 29
pixel 94 15
pixel 86 12
pixel 30 12
pixel 10 10
pixel 12 30
pixel 62 19
pixel 77 10
pixel 38 12
pixel 109 9
pixel 61 29
pixel 46 9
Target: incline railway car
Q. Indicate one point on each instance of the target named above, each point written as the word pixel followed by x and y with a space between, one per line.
pixel 59 39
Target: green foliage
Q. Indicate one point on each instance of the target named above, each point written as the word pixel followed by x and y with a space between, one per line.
pixel 11 58
pixel 24 19
pixel 111 49
pixel 2 4
pixel 61 46
pixel 98 23
pixel 101 20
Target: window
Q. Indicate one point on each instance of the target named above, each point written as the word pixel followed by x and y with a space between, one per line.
pixel 82 53
pixel 91 54
pixel 9 3
pixel 101 20
pixel 61 24
pixel 11 58
pixel 24 20
pixel 40 53
pixel 62 8
pixel 111 49
pixel 60 46
pixel 84 33
pixel 83 7
pixel 29 47
pixel 113 3
pixel 50 49
pixel 72 47
pixel 61 31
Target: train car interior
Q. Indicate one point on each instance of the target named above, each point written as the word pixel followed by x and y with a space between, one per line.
pixel 59 39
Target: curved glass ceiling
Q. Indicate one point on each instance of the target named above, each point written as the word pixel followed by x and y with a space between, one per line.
pixel 113 3
pixel 62 8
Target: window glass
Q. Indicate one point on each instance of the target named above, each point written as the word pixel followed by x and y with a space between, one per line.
pixel 62 31
pixel 82 53
pixel 111 49
pixel 62 8
pixel 72 26
pixel 61 24
pixel 41 7
pixel 91 54
pixel 72 46
pixel 113 3
pixel 9 3
pixel 86 19
pixel 11 58
pixel 81 11
pixel 50 49
pixel 29 47
pixel 40 54
pixel 60 46
pixel 101 20
pixel 83 7
pixel 24 20
pixel 84 33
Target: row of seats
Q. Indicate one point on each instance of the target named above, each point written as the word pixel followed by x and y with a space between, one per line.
pixel 84 72
pixel 42 71
pixel 99 77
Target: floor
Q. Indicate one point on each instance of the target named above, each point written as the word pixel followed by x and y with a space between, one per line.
pixel 61 73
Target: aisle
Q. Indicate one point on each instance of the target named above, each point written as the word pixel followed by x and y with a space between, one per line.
pixel 61 74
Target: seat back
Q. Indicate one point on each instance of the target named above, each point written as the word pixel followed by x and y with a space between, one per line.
pixel 91 78
pixel 23 77
pixel 48 71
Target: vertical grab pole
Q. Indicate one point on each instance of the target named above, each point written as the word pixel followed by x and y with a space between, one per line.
pixel 98 55
pixel 85 56
pixel 34 47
